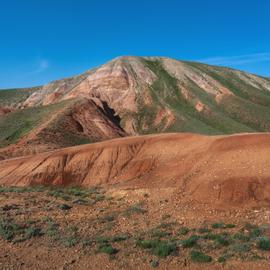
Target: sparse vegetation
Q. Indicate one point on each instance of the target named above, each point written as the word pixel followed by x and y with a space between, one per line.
pixel 197 256
pixel 158 247
pixel 102 233
pixel 190 242
pixel 134 209
pixel 263 243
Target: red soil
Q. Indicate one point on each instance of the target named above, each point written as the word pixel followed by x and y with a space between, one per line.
pixel 227 170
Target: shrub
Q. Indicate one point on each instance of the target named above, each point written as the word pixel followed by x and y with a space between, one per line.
pixel 158 247
pixel 240 247
pixel 222 259
pixel 32 232
pixel 241 237
pixel 134 209
pixel 119 237
pixel 220 225
pixel 190 242
pixel 183 231
pixel 222 240
pixel 204 230
pixel 230 226
pixel 70 241
pixel 263 243
pixel 159 233
pixel 164 249
pixel 197 256
pixel 107 248
pixel 6 230
pixel 64 207
pixel 154 263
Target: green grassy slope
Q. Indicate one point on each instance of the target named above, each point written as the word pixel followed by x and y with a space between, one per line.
pixel 12 97
pixel 248 110
pixel 18 123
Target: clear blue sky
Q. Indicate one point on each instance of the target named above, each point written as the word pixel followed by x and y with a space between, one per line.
pixel 42 40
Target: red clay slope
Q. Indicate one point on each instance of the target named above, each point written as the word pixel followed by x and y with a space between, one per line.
pixel 221 169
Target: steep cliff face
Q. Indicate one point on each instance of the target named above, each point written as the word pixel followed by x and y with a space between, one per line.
pixel 131 96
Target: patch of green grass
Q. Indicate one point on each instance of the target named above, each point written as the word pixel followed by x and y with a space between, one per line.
pixel 204 230
pixel 4 189
pixel 242 237
pixel 107 248
pixel 119 237
pixel 154 263
pixel 222 259
pixel 263 243
pixel 59 194
pixel 159 233
pixel 158 247
pixel 8 229
pixel 32 232
pixel 17 124
pixel 240 247
pixel 219 225
pixel 183 231
pixel 11 97
pixel 52 230
pixel 199 257
pixel 190 242
pixel 230 226
pixel 222 240
pixel 134 209
pixel 70 241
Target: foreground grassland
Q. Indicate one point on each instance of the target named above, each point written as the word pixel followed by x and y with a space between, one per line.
pixel 73 225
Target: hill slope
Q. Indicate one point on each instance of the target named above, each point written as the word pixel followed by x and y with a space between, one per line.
pixel 135 95
pixel 218 169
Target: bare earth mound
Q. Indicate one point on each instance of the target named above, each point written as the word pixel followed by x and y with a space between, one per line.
pixel 225 170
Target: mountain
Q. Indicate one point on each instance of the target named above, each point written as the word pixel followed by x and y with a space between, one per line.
pixel 131 96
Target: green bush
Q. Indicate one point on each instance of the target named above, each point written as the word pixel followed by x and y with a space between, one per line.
pixel 32 232
pixel 220 225
pixel 183 231
pixel 240 247
pixel 190 242
pixel 263 243
pixel 197 256
pixel 158 247
pixel 107 248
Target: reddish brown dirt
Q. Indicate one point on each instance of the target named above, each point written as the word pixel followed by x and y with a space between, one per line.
pixel 107 218
pixel 4 110
pixel 225 170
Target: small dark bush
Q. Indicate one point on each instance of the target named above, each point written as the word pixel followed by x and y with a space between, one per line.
pixel 32 232
pixel 183 231
pixel 220 225
pixel 263 243
pixel 64 207
pixel 107 248
pixel 197 256
pixel 158 247
pixel 190 242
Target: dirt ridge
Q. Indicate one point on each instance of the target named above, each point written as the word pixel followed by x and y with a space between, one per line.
pixel 207 168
